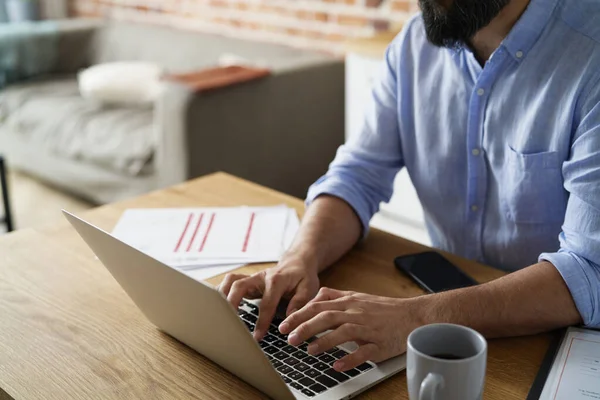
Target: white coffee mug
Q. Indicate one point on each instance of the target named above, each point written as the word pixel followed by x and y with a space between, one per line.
pixel 446 362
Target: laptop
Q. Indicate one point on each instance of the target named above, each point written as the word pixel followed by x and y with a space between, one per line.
pixel 197 315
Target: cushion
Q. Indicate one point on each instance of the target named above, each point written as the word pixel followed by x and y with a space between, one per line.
pixel 50 114
pixel 121 83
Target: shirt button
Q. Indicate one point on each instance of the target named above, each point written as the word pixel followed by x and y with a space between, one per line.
pixel 475 152
pixel 474 208
pixel 480 92
pixel 519 54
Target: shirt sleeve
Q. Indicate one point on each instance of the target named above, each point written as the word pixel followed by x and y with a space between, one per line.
pixel 578 260
pixel 363 171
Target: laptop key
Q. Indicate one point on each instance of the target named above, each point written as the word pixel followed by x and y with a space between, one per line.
pixel 364 367
pixel 296 386
pixel 284 369
pixel 291 361
pixel 338 376
pixel 286 379
pixel 303 346
pixel 263 345
pixel 276 363
pixel 332 350
pixel 250 318
pixel 307 392
pixel 295 375
pixel 299 354
pixel 301 367
pixel 327 381
pixel 310 360
pixel 248 325
pixel 312 373
pixel 289 349
pixel 251 306
pixel 279 343
pixel 321 366
pixel 281 355
pixel 318 388
pixel 306 382
pixel 270 349
pixel 339 354
pixel 326 358
pixel 269 338
pixel 241 312
pixel 352 372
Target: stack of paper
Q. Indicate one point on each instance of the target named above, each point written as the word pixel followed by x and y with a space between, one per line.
pixel 205 242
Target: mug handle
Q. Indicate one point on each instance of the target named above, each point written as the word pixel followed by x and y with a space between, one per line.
pixel 430 386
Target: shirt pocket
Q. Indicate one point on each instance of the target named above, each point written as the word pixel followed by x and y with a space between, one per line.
pixel 533 190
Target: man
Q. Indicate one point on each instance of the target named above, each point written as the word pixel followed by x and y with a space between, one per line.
pixel 493 106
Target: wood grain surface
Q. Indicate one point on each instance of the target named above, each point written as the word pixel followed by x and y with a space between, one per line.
pixel 68 331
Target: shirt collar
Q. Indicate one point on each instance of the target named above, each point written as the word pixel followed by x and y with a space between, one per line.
pixel 526 31
pixel 528 28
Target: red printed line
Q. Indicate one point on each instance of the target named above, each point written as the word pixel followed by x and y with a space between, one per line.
pixel 195 232
pixel 187 225
pixel 249 232
pixel 210 224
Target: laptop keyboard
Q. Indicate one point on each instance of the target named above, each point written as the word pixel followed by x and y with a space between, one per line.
pixel 310 375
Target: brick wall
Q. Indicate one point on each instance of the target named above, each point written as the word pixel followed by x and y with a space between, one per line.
pixel 316 24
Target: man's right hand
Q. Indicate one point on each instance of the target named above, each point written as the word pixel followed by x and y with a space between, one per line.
pixel 293 278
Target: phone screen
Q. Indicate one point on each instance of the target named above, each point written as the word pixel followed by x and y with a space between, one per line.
pixel 433 272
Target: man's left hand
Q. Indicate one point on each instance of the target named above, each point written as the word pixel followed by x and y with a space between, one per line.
pixel 379 325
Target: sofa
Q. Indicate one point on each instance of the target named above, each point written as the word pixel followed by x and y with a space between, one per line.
pixel 280 131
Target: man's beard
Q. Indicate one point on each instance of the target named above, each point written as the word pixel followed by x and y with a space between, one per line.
pixel 458 24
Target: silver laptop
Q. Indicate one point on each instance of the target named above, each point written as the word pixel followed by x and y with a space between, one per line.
pixel 199 316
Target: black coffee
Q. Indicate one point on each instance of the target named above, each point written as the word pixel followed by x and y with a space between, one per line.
pixel 447 356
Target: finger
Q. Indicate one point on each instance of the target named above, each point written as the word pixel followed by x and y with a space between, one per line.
pixel 326 294
pixel 274 290
pixel 348 332
pixel 225 285
pixel 299 300
pixel 324 321
pixel 241 287
pixel 309 311
pixel 360 356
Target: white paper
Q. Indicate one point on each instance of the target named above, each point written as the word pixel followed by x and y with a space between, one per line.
pixel 575 374
pixel 242 236
pixel 205 272
pixel 207 236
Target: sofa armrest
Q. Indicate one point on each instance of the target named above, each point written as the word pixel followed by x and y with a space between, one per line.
pixel 281 131
pixel 75 44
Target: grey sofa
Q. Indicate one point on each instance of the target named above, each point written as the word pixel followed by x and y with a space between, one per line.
pixel 280 131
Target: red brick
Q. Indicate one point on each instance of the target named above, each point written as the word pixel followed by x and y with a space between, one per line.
pixel 351 20
pixel 321 16
pixel 400 5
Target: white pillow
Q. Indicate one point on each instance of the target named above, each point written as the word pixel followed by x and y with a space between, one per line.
pixel 123 83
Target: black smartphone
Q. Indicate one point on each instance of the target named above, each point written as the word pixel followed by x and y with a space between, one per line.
pixel 433 272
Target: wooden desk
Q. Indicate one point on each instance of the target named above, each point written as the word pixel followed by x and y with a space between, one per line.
pixel 67 329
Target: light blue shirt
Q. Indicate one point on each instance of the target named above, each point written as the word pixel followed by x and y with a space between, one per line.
pixel 505 159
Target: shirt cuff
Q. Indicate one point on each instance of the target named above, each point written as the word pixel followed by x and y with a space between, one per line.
pixel 582 281
pixel 335 186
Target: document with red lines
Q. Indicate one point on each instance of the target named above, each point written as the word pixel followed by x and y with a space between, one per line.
pixel 575 374
pixel 196 237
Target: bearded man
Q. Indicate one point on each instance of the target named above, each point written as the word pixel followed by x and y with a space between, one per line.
pixel 493 106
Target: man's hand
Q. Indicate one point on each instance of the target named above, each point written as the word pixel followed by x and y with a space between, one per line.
pixel 380 325
pixel 292 279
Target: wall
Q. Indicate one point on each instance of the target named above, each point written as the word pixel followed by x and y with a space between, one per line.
pixel 316 24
